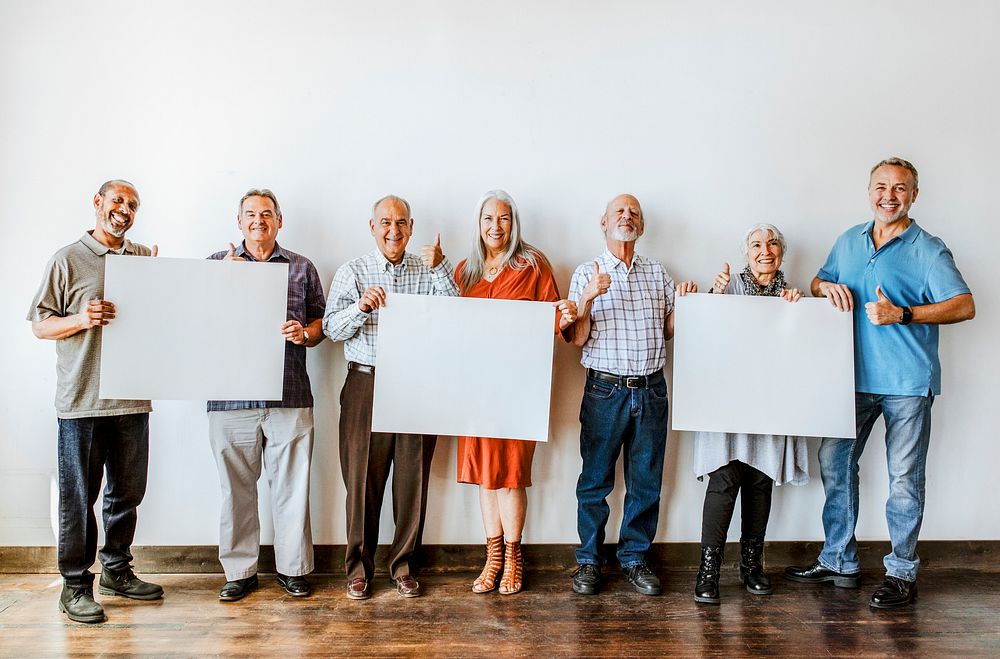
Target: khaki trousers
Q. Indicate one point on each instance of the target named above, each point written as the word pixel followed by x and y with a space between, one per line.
pixel 281 440
pixel 366 459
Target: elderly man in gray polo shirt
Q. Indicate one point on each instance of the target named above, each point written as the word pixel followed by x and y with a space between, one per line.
pixel 95 434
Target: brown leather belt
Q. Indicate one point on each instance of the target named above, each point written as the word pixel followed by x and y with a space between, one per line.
pixel 361 368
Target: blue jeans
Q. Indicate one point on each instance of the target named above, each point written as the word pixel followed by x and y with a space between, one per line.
pixel 907 436
pixel 87 447
pixel 613 418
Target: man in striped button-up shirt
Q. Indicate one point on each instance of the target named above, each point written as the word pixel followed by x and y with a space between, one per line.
pixel 359 288
pixel 625 304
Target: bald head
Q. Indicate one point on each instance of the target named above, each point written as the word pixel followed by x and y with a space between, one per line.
pixel 622 220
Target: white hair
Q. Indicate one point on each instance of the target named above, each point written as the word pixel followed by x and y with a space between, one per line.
pixel 763 226
pixel 519 254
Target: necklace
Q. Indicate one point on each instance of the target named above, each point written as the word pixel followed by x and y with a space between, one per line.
pixel 493 269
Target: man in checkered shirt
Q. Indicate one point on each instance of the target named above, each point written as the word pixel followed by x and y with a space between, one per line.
pixel 625 304
pixel 359 288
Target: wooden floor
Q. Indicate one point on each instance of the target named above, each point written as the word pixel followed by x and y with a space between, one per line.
pixel 958 614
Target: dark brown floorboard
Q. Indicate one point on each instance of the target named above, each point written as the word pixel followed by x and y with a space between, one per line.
pixel 957 614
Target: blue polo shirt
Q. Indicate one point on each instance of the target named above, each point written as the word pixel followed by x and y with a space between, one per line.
pixel 914 268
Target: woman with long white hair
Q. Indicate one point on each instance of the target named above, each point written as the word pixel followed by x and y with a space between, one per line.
pixel 503 266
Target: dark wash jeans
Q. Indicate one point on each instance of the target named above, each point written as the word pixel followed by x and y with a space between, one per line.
pixel 613 419
pixel 87 447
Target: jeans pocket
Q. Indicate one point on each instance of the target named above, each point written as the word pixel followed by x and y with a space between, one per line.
pixel 599 390
pixel 658 391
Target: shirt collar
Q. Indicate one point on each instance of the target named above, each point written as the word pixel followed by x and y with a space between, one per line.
pixel 276 253
pixel 610 261
pixel 909 234
pixel 386 264
pixel 99 248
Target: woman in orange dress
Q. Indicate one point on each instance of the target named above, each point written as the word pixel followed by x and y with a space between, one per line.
pixel 503 266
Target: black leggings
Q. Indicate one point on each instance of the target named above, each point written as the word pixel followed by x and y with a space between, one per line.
pixel 720 499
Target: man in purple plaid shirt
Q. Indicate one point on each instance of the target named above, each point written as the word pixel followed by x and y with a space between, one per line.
pixel 276 434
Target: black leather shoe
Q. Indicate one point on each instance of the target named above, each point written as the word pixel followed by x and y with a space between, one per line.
pixel 706 584
pixel 816 573
pixel 752 567
pixel 894 593
pixel 295 586
pixel 126 584
pixel 77 602
pixel 238 589
pixel 587 579
pixel 642 579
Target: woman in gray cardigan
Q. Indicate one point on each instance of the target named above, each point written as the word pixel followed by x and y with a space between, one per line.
pixel 747 462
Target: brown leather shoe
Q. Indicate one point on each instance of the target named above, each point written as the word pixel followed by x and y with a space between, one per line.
pixel 359 589
pixel 407 586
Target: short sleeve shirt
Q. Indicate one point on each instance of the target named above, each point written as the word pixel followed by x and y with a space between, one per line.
pixel 73 276
pixel 913 269
pixel 627 323
pixel 305 304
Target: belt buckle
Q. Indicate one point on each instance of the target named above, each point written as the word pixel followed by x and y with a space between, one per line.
pixel 633 382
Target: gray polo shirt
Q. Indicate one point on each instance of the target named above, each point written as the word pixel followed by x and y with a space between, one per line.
pixel 74 275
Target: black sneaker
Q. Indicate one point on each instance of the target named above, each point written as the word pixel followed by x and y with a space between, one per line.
pixel 77 602
pixel 587 579
pixel 126 584
pixel 642 579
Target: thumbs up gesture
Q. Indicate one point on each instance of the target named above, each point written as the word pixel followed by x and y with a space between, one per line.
pixel 599 283
pixel 721 280
pixel 431 255
pixel 882 311
pixel 231 254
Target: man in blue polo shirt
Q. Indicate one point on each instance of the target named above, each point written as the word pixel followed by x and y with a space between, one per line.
pixel 901 283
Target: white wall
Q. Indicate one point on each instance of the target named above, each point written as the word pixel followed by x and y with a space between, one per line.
pixel 714 116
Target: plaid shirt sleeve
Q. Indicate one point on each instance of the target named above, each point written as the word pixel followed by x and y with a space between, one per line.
pixel 342 318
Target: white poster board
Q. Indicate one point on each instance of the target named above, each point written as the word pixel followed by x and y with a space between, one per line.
pixel 193 329
pixel 763 365
pixel 464 366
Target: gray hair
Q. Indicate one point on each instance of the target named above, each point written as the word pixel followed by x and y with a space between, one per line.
pixel 897 162
pixel 763 226
pixel 392 197
pixel 262 192
pixel 519 254
pixel 115 181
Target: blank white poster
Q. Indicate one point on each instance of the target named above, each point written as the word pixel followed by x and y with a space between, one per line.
pixel 763 365
pixel 194 329
pixel 464 366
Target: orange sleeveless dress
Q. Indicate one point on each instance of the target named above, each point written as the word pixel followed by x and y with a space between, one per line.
pixel 488 461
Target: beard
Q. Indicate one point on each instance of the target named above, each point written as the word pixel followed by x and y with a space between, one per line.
pixel 113 229
pixel 625 234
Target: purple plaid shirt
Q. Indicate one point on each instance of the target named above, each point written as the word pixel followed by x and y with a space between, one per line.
pixel 305 303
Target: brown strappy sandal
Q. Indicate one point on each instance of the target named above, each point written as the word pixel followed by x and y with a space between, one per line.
pixel 513 569
pixel 487 579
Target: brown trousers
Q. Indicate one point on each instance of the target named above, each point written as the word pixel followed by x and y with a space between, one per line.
pixel 365 459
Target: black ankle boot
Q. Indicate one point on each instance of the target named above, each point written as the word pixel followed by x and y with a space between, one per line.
pixel 752 567
pixel 706 586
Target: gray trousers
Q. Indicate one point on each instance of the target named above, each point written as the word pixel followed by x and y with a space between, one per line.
pixel 280 440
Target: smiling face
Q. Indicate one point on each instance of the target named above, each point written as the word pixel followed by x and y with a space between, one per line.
pixel 392 228
pixel 115 211
pixel 764 254
pixel 891 191
pixel 495 223
pixel 622 220
pixel 258 221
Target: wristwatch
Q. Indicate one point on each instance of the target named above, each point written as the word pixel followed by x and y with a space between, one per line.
pixel 907 316
pixel 305 336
